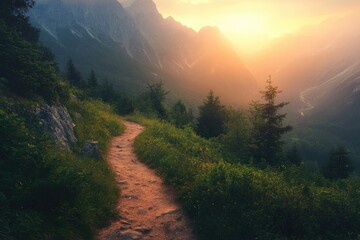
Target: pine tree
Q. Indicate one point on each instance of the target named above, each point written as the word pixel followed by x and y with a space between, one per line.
pixel 157 95
pixel 212 117
pixel 268 126
pixel 339 165
pixel 72 74
pixel 92 80
pixel 180 116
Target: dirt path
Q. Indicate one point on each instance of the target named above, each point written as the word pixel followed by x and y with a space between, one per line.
pixel 148 208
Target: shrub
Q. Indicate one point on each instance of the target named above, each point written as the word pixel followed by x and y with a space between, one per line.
pixel 233 201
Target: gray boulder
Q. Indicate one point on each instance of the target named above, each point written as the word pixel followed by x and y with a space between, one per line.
pixel 91 149
pixel 57 121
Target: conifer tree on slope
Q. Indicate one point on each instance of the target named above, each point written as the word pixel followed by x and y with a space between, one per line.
pixel 212 117
pixel 72 74
pixel 339 165
pixel 268 126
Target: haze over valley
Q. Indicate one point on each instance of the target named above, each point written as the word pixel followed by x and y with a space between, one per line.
pixel 179 119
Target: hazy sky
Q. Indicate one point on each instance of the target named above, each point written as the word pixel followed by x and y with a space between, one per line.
pixel 254 21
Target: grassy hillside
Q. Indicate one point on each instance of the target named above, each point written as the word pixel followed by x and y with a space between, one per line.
pixel 49 194
pixel 234 201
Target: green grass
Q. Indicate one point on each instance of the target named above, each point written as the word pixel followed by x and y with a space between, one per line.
pixel 49 194
pixel 95 121
pixel 232 201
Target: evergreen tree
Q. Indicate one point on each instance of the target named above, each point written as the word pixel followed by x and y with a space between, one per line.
pixel 157 95
pixel 72 74
pixel 212 117
pixel 268 126
pixel 92 80
pixel 180 116
pixel 339 165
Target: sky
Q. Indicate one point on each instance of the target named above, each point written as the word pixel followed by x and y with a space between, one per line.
pixel 250 24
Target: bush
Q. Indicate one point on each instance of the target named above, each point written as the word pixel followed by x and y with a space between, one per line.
pixel 232 201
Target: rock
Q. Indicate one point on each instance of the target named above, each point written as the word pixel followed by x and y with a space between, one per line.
pixel 143 230
pixel 130 196
pixel 125 222
pixel 91 149
pixel 125 227
pixel 57 121
pixel 125 235
pixel 168 213
pixel 121 182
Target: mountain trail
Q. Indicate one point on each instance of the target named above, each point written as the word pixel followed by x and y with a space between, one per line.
pixel 148 208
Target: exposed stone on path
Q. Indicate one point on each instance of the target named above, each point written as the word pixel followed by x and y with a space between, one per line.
pixel 143 230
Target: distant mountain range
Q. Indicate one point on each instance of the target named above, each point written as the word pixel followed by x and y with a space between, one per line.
pixel 136 45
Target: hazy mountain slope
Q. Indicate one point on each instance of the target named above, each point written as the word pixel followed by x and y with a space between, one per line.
pixel 98 35
pixel 313 65
pixel 318 70
pixel 136 45
pixel 197 61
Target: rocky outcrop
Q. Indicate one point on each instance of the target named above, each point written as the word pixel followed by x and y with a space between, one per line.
pixel 57 121
pixel 91 149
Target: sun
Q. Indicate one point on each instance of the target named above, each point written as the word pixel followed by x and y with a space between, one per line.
pixel 244 24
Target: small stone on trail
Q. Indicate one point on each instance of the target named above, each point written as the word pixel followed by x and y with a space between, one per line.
pixel 143 230
pixel 126 227
pixel 130 196
pixel 124 222
pixel 168 213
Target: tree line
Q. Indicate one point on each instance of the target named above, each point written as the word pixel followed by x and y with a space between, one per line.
pixel 252 136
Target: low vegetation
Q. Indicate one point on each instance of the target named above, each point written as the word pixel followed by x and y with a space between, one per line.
pixel 229 201
pixel 49 194
pixel 234 178
pixel 45 192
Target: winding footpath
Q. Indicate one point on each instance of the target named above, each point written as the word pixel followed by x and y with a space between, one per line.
pixel 148 208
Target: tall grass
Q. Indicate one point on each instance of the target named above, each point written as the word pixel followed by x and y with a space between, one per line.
pixel 95 121
pixel 229 201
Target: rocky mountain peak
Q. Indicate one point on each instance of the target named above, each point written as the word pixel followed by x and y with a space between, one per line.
pixel 144 7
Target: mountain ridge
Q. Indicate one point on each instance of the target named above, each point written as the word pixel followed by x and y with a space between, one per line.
pixel 152 46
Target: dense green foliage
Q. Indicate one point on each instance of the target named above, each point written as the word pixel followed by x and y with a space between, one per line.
pixel 236 139
pixel 339 164
pixel 46 193
pixel 180 116
pixel 231 201
pixel 211 117
pixel 152 101
pixel 26 69
pixel 268 126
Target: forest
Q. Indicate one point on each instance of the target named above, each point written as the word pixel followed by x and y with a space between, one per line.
pixel 231 168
